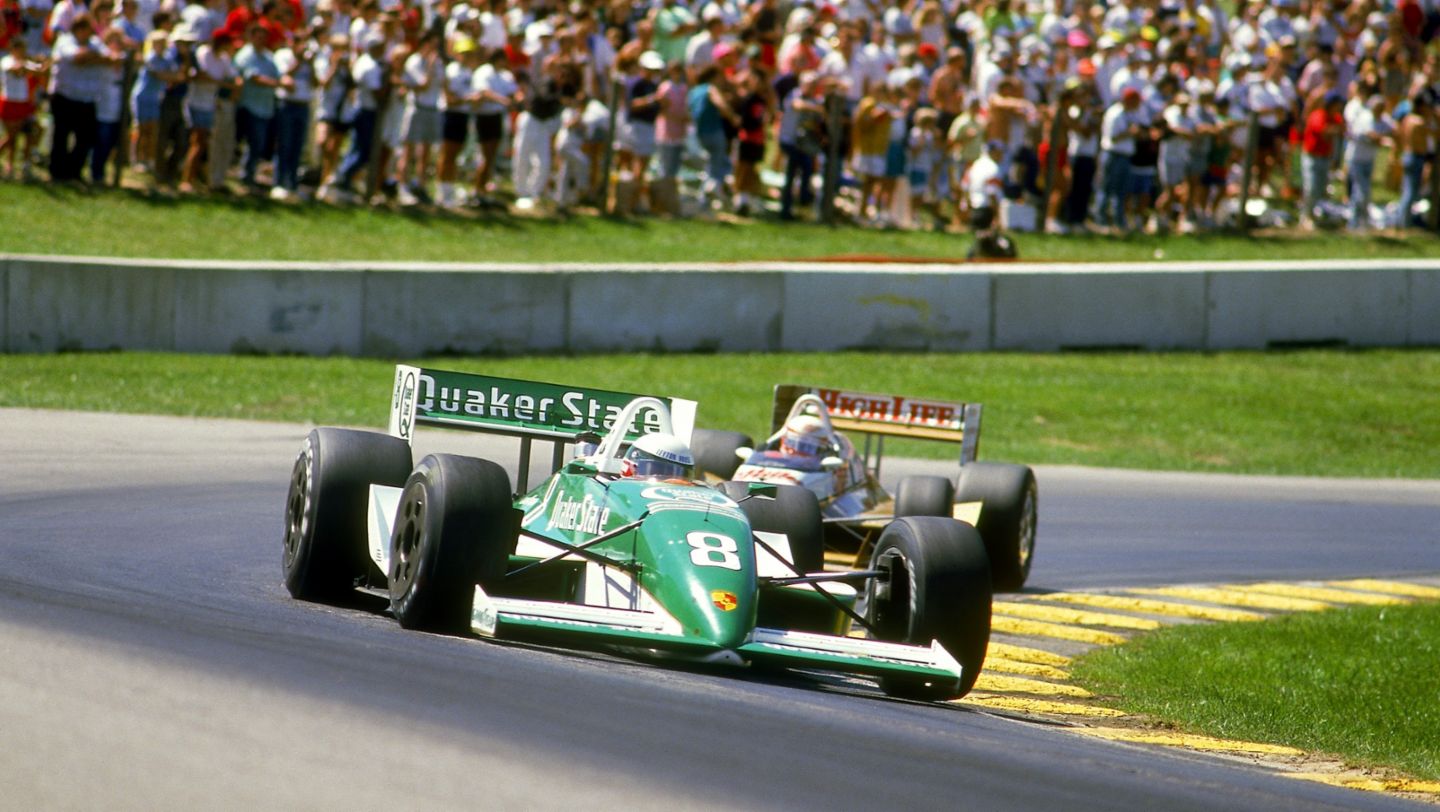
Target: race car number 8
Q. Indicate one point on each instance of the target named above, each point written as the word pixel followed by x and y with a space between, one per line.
pixel 713 550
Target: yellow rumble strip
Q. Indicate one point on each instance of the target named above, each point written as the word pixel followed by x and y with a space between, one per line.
pixel 1005 651
pixel 1021 704
pixel 1392 587
pixel 1121 734
pixel 1153 607
pixel 1020 685
pixel 1024 669
pixel 1056 614
pixel 1370 784
pixel 1317 593
pixel 1035 628
pixel 1233 597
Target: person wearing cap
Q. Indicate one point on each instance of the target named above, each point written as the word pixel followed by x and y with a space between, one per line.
pixel 672 127
pixel 535 131
pixel 1323 128
pixel 635 144
pixel 872 141
pixel 1082 125
pixel 1178 136
pixel 157 69
pixel 457 105
pixel 1118 131
pixel 332 76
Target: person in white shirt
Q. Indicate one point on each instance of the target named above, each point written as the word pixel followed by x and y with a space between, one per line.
pixel 984 186
pixel 17 105
pixel 368 74
pixel 1366 129
pixel 495 91
pixel 1118 129
pixel 458 104
pixel 424 77
pixel 213 72
pixel 292 116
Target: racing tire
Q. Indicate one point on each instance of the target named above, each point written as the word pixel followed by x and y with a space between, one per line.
pixel 1007 521
pixel 327 505
pixel 455 528
pixel 937 587
pixel 714 450
pixel 794 512
pixel 925 496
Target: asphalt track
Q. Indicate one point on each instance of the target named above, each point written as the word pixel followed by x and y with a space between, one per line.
pixel 152 659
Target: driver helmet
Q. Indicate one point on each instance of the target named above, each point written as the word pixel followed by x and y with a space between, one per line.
pixel 805 435
pixel 662 456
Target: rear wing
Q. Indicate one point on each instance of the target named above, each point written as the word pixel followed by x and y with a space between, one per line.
pixel 889 416
pixel 529 410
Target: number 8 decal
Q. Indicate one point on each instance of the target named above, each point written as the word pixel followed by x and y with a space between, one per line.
pixel 713 550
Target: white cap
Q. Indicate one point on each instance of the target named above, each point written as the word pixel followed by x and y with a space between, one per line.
pixel 651 60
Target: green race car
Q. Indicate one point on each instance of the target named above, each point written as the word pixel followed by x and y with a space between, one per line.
pixel 621 545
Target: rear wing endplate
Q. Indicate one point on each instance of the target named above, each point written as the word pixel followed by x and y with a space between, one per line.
pixel 889 416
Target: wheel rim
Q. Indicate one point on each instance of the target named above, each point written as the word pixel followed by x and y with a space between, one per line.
pixel 409 539
pixel 1027 529
pixel 296 510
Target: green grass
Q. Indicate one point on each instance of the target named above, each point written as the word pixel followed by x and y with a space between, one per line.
pixel 1360 683
pixel 111 223
pixel 1319 412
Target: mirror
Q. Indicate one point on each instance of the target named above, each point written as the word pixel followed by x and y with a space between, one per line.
pixel 832 463
pixel 762 490
pixel 580 467
pixel 744 452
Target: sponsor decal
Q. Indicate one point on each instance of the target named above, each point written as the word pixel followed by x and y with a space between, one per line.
pixel 407 405
pixel 892 409
pixel 758 473
pixel 529 404
pixel 578 515
pixel 724 601
pixel 700 497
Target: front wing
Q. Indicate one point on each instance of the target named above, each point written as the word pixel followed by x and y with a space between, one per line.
pixel 502 617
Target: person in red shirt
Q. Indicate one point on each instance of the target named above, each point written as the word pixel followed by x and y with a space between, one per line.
pixel 1323 128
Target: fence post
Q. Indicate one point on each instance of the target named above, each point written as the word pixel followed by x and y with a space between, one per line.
pixel 1247 167
pixel 122 146
pixel 606 204
pixel 1433 216
pixel 834 122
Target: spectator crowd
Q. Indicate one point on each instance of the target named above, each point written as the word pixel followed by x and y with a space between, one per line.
pixel 1067 114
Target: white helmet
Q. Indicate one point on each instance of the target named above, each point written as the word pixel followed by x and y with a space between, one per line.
pixel 805 435
pixel 660 455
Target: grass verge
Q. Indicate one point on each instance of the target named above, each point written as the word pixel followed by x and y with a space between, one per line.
pixel 1316 412
pixel 1359 683
pixel 124 223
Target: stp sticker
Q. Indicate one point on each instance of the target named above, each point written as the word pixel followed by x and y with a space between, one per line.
pixel 724 601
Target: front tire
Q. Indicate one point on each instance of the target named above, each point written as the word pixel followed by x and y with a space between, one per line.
pixel 714 450
pixel 937 587
pixel 455 528
pixel 1008 517
pixel 794 512
pixel 325 510
pixel 925 496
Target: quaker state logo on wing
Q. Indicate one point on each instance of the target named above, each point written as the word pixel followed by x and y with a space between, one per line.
pixel 724 601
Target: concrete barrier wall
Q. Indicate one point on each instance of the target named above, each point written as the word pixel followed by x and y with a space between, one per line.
pixel 390 310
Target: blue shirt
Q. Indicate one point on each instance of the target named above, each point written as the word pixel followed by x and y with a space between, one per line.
pixel 708 119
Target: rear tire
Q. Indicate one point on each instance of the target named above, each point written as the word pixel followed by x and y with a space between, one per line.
pixel 455 528
pixel 327 505
pixel 714 450
pixel 925 496
pixel 938 588
pixel 793 512
pixel 1007 518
